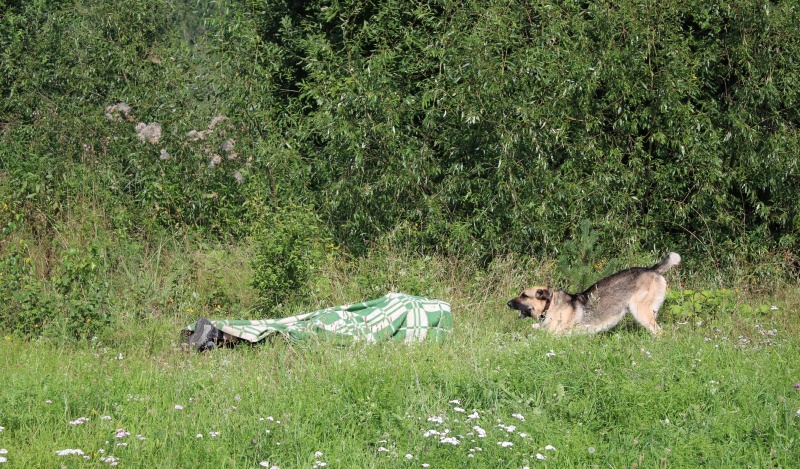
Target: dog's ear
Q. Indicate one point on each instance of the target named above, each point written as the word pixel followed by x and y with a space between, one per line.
pixel 544 294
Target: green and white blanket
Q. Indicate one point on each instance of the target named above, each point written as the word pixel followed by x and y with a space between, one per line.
pixel 395 316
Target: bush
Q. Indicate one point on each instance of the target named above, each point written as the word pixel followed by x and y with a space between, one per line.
pixel 73 302
pixel 291 246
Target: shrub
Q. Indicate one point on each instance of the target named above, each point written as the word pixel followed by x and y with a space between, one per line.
pixel 291 245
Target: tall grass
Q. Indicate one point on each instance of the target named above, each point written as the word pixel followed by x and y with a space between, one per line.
pixel 715 390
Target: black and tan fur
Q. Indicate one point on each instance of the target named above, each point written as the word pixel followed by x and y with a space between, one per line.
pixel 639 290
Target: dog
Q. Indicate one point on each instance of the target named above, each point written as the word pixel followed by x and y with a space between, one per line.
pixel 640 290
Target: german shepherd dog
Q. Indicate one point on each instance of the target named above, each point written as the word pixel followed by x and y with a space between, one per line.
pixel 640 290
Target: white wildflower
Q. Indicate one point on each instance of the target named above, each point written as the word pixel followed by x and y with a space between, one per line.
pixel 238 176
pixel 435 419
pixel 118 112
pixel 382 450
pixel 458 409
pixel 473 415
pixel 549 354
pixel 449 440
pixel 216 120
pixel 592 450
pixel 178 407
pixel 79 421
pixel 455 401
pixel 409 456
pixel 480 431
pixel 518 416
pixel 121 433
pixel 431 433
pixel 318 454
pixel 69 452
pixel 505 444
pixel 150 133
pixel 164 155
pixel 540 456
pixel 193 135
pixel 550 448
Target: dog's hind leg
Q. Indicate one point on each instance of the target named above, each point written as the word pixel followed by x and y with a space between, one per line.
pixel 644 306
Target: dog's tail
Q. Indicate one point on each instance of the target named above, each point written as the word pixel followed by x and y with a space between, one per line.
pixel 667 263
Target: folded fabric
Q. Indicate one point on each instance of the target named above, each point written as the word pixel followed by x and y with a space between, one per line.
pixel 395 316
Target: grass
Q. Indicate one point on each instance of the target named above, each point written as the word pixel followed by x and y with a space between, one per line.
pixel 716 391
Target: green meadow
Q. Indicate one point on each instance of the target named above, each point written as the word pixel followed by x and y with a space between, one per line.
pixel 716 389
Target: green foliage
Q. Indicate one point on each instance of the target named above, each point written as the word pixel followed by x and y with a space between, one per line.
pixel 708 304
pixel 668 126
pixel 582 260
pixel 290 246
pixel 73 302
pixel 476 129
pixel 81 294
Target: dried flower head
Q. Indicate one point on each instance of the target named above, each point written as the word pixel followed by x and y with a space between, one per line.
pixel 150 133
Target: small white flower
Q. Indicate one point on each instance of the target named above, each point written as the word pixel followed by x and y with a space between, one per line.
pixel 449 440
pixel 383 450
pixel 549 354
pixel 592 450
pixel 540 457
pixel 508 428
pixel 122 444
pixel 140 438
pixel 199 435
pixel 426 464
pixel 3 460
pixel 505 444
pixel 480 431
pixel 2 428
pixel 523 435
pixel 79 421
pixel 178 407
pixel 3 451
pixel 46 402
pixel 435 419
pixel 458 409
pixel 409 456
pixel 550 448
pixel 105 417
pixel 318 454
pixel 121 433
pixel 320 464
pixel 68 452
pixel 473 415
pixel 213 434
pixel 431 433
pixel 773 308
pixel 270 419
pixel 455 401
pixel 518 416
